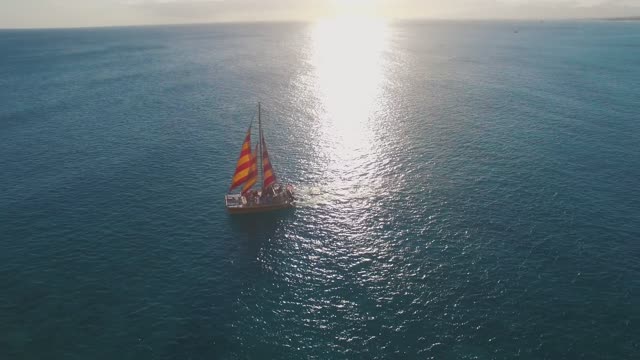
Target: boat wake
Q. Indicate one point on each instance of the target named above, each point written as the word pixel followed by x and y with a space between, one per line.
pixel 312 196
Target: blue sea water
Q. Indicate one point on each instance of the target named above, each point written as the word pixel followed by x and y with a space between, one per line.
pixel 467 190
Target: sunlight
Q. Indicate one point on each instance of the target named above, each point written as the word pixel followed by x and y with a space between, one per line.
pixel 354 7
pixel 349 72
pixel 348 62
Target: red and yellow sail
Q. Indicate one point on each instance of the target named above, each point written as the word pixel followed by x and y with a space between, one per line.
pixel 267 171
pixel 243 167
pixel 253 172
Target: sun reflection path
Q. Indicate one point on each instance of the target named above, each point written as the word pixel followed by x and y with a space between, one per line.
pixel 348 58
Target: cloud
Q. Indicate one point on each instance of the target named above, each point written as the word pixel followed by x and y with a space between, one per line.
pixel 71 13
pixel 230 9
pixel 250 10
pixel 513 9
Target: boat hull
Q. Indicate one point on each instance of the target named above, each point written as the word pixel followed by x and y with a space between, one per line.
pixel 254 209
pixel 278 198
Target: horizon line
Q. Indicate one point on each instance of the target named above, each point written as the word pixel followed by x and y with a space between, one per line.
pixel 293 21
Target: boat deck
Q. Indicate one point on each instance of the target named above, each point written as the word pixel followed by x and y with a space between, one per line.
pixel 238 204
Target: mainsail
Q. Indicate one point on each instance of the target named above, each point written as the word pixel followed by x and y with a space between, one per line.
pixel 243 167
pixel 253 172
pixel 267 171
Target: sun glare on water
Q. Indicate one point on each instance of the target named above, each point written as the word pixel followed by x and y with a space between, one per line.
pixel 347 55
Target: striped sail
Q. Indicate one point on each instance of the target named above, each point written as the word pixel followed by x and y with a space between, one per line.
pixel 243 167
pixel 267 171
pixel 253 172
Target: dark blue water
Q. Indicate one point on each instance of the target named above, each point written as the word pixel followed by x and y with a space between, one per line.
pixel 466 192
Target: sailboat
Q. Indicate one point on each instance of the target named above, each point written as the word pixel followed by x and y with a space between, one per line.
pixel 251 167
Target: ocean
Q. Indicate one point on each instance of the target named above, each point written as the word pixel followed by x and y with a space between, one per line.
pixel 466 190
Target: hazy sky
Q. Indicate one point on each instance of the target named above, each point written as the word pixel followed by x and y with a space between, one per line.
pixel 73 13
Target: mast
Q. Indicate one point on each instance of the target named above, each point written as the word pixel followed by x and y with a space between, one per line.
pixel 260 170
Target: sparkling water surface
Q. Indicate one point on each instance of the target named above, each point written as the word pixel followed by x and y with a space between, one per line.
pixel 467 191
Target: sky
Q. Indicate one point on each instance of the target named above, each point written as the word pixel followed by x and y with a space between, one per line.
pixel 83 13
